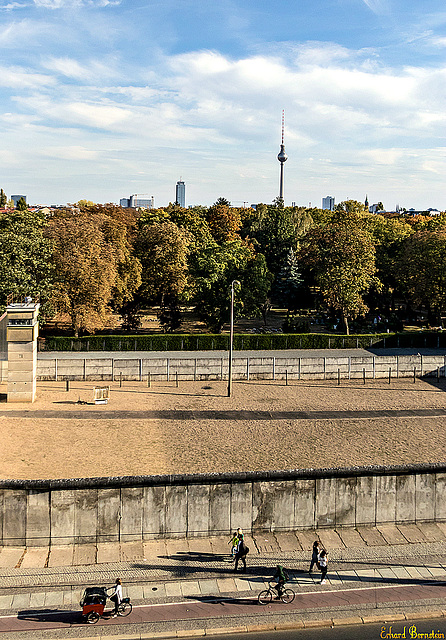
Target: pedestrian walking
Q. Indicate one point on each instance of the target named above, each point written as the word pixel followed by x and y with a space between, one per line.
pixel 323 564
pixel 242 552
pixel 314 555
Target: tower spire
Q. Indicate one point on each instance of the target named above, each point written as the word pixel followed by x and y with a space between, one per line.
pixel 282 156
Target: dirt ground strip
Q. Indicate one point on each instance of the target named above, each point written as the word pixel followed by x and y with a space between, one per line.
pixel 65 443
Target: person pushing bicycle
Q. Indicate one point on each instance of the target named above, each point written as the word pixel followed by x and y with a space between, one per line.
pixel 282 577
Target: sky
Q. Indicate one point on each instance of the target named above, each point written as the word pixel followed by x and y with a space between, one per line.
pixel 101 99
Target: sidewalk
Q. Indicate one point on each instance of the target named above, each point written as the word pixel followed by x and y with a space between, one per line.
pixel 188 585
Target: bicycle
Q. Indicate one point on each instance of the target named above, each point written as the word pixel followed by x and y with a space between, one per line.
pixel 266 596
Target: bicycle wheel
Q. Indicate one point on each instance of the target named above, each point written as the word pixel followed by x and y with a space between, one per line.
pixel 288 596
pixel 265 597
pixel 125 609
pixel 92 617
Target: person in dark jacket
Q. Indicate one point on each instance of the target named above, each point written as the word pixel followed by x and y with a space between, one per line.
pixel 242 551
pixel 281 576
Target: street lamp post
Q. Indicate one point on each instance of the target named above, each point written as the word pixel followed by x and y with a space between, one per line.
pixel 231 338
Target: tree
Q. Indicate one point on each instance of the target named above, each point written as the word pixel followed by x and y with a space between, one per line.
pixel 421 270
pixel 289 283
pixel 214 267
pixel 224 222
pixel 21 204
pixel 162 249
pixel 341 259
pixel 3 198
pixel 93 267
pixel 25 258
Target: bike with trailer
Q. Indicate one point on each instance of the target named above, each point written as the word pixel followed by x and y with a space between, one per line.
pixel 93 604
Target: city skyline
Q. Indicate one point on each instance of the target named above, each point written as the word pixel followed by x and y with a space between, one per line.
pixel 110 97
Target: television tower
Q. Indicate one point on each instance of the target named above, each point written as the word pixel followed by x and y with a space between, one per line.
pixel 282 157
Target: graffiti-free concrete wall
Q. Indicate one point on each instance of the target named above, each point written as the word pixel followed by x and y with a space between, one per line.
pixel 244 368
pixel 36 513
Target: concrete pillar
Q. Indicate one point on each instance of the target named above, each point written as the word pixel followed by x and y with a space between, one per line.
pixel 21 335
pixel 425 497
pixel 109 515
pixel 62 517
pixel 440 496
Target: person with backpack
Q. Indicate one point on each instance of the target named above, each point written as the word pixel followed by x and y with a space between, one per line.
pixel 282 577
pixel 242 551
pixel 314 555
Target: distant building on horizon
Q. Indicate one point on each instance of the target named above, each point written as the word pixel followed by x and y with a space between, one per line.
pixel 15 200
pixel 328 203
pixel 134 202
pixel 180 193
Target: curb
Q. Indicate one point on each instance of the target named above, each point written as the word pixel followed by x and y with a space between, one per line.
pixel 283 626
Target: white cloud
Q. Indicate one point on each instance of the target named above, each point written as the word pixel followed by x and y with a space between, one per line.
pixel 64 4
pixel 380 7
pixel 19 78
pixel 73 152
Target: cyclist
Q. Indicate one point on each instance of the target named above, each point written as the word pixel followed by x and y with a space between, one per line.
pixel 281 576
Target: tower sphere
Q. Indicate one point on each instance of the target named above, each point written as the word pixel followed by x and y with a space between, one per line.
pixel 282 156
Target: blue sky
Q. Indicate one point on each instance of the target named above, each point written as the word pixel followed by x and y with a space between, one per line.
pixel 100 99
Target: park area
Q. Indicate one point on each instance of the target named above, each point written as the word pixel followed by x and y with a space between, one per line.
pixel 196 428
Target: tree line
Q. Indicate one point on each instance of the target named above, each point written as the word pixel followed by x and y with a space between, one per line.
pixel 90 260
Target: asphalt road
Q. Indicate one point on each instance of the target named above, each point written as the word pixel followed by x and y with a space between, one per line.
pixel 353 632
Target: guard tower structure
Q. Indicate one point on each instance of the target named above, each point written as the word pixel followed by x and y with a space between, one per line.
pixel 22 330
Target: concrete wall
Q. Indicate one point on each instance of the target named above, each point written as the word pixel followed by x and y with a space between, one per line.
pixel 141 508
pixel 216 368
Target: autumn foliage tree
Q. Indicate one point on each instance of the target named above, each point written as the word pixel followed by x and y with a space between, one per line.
pixel 93 266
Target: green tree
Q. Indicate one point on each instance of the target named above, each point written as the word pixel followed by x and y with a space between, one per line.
pixel 421 270
pixel 214 267
pixel 341 259
pixel 21 204
pixel 3 198
pixel 289 283
pixel 162 249
pixel 25 258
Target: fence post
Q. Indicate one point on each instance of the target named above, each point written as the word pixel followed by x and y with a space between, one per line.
pixel 221 368
pixel 374 367
pixel 67 385
pixel 339 377
pixel 414 374
pixel 390 373
pixel 363 376
pixel 397 366
pixel 299 368
pixel 120 378
pixel 286 377
pixel 55 369
pixel 274 368
pixel 329 343
pixel 168 369
pixel 176 379
pixel 247 368
pixel 195 369
pixel 140 369
pixel 438 374
pixel 421 366
pixel 149 380
pixel 85 369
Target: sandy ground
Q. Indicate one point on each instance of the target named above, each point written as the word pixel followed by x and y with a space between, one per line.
pixel 64 444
